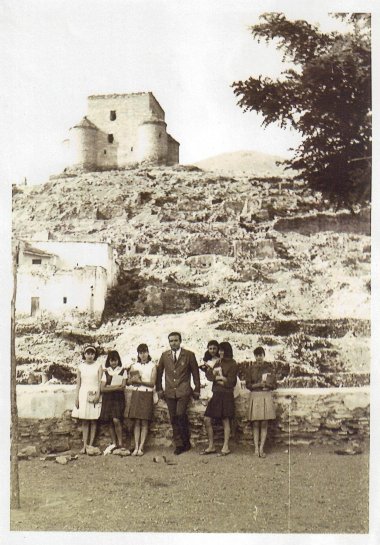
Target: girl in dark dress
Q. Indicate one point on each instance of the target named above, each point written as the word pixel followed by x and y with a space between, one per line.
pixel 113 402
pixel 223 376
pixel 142 378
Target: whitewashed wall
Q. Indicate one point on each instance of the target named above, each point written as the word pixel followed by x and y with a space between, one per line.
pixel 51 287
pixel 81 254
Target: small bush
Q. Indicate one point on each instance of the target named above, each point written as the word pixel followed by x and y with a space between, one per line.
pixel 62 373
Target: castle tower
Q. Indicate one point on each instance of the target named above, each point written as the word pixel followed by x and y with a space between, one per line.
pixel 152 141
pixel 83 143
pixel 119 130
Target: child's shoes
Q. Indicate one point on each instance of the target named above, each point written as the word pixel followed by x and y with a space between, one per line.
pixel 109 449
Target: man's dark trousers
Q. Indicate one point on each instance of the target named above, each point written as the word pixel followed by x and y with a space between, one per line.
pixel 179 421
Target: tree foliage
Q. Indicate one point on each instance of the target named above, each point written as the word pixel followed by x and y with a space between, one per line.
pixel 325 96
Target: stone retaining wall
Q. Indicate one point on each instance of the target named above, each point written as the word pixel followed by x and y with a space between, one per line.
pixel 304 415
pixel 343 222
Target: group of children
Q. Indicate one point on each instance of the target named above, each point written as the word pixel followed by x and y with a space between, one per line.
pixel 221 369
pixel 100 395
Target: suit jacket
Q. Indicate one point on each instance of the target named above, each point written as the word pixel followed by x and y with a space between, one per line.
pixel 177 376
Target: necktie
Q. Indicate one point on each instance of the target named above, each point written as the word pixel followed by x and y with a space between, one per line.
pixel 175 357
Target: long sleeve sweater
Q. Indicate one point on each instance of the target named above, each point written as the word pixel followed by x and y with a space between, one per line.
pixel 229 371
pixel 254 375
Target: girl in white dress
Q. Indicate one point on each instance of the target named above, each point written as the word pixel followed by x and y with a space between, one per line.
pixel 87 399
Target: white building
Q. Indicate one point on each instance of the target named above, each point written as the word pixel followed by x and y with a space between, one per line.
pixel 64 278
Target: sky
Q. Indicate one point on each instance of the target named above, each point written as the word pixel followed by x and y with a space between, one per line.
pixel 55 53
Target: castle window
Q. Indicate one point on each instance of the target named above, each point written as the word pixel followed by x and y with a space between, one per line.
pixel 112 115
pixel 64 300
pixel 159 135
pixel 105 152
pixel 110 138
pixel 132 148
pixel 36 261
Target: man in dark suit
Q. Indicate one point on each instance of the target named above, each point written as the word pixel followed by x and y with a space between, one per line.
pixel 179 365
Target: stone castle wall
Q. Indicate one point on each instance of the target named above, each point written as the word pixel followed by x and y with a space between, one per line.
pixel 304 416
pixel 122 129
pixel 173 151
pixel 84 146
pixel 152 142
pixel 130 110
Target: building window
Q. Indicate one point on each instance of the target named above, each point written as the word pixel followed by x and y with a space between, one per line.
pixel 64 300
pixel 132 148
pixel 112 115
pixel 110 138
pixel 36 261
pixel 159 135
pixel 105 152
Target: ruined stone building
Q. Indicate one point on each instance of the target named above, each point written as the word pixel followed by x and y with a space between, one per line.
pixel 120 129
pixel 64 279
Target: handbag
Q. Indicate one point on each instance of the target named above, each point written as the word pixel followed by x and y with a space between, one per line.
pixel 91 396
pixel 237 388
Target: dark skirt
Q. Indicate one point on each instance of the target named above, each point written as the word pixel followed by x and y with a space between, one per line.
pixel 141 406
pixel 221 405
pixel 113 405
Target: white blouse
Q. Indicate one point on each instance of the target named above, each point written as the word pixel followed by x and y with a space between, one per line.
pixel 146 371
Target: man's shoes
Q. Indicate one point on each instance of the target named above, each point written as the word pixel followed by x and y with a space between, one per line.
pixel 184 448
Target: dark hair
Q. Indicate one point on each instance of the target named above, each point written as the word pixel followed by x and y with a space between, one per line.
pixel 227 349
pixel 175 333
pixel 142 348
pixel 90 348
pixel 112 355
pixel 259 351
pixel 207 356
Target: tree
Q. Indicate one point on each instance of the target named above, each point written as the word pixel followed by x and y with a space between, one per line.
pixel 325 96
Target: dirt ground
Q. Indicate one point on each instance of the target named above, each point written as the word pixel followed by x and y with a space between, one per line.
pixel 312 490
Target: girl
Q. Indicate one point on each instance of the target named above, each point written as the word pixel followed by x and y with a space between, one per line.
pixel 142 377
pixel 87 406
pixel 211 356
pixel 260 380
pixel 221 405
pixel 113 403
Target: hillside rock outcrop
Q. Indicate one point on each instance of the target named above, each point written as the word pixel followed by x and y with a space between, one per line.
pixel 246 249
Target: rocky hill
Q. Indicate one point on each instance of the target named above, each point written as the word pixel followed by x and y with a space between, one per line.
pixel 247 162
pixel 246 259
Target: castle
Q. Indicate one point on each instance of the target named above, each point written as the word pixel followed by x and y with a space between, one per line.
pixel 120 129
